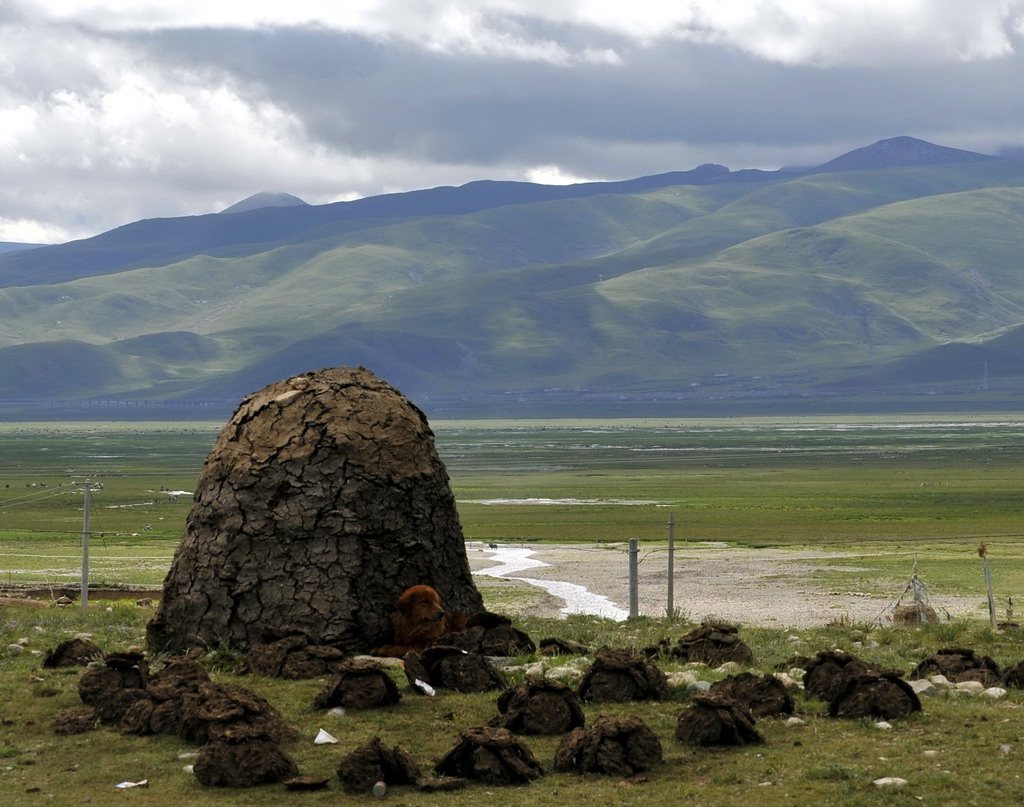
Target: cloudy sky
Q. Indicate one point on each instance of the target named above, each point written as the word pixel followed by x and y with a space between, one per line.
pixel 117 110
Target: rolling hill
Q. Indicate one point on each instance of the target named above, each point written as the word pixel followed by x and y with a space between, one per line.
pixel 889 277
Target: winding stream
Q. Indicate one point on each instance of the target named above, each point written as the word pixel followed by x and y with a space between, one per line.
pixel 578 600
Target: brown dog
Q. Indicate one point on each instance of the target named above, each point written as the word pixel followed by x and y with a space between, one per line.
pixel 418 622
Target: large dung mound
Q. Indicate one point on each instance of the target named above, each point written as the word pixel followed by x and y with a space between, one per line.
pixel 322 500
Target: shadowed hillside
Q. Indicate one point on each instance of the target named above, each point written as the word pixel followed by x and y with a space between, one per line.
pixel 891 270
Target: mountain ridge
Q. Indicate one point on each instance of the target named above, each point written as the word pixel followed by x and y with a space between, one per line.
pixel 676 290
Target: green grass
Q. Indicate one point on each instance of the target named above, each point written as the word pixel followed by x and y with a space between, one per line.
pixel 890 491
pixel 887 489
pixel 952 744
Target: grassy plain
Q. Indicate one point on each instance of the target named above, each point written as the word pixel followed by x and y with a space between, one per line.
pixel 889 489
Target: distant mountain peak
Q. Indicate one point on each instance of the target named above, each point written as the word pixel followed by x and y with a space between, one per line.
pixel 264 199
pixel 897 152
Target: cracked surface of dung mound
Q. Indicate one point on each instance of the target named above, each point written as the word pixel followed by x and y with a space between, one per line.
pixel 322 500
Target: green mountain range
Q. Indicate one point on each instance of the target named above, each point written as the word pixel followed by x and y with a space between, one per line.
pixel 888 278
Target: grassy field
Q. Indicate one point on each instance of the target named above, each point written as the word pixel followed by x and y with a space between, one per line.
pixel 889 490
pixel 957 750
pixel 892 489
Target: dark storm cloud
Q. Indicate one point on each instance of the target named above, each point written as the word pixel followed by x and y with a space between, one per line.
pixel 111 113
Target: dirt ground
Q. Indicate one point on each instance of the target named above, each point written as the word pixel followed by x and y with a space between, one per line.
pixel 765 587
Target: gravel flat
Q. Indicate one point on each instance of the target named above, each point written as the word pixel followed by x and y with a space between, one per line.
pixel 765 587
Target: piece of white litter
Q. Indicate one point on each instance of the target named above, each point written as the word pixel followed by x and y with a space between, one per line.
pixel 424 687
pixel 124 785
pixel 890 781
pixel 188 755
pixel 189 769
pixel 323 737
pixel 883 725
pixel 337 710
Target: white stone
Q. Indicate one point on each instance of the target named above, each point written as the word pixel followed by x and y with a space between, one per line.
pixel 681 679
pixel 795 721
pixel 729 668
pixel 23 641
pixel 1005 749
pixel 883 725
pixel 15 649
pixel 890 781
pixel 994 692
pixel 970 688
pixel 922 686
pixel 565 673
pixel 787 682
pixel 941 682
pixel 931 752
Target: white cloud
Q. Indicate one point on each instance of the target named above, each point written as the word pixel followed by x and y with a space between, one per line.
pixel 553 175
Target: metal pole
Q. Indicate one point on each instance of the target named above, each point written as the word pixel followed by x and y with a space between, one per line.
pixel 634 576
pixel 85 543
pixel 983 553
pixel 671 609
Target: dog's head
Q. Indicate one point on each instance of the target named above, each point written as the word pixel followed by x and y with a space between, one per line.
pixel 421 604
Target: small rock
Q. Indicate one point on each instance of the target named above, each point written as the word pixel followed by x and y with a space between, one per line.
pixel 39 629
pixel 788 682
pixel 383 662
pixel 1005 749
pixel 565 673
pixel 794 640
pixel 941 682
pixel 728 668
pixel 923 686
pixel 883 725
pixel 890 781
pixel 857 645
pixel 680 679
pixel 994 693
pixel 970 688
pixel 797 673
pixel 15 649
pixel 23 641
pixel 795 721
pixel 931 752
pixel 698 686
